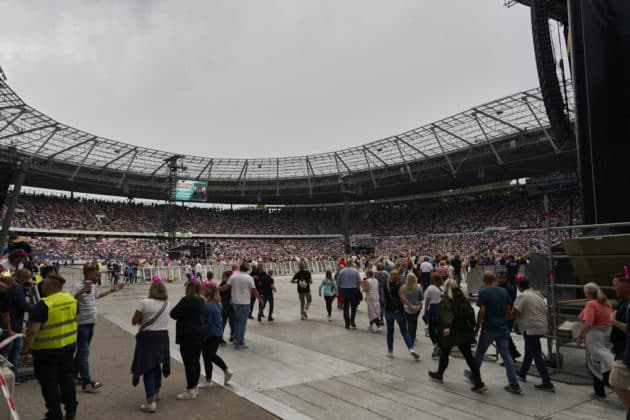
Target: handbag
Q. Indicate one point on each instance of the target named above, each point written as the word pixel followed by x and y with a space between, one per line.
pixel 412 309
pixel 155 317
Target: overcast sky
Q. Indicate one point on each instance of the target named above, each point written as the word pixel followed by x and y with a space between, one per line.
pixel 257 78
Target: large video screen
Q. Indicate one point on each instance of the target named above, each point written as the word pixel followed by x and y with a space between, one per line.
pixel 191 190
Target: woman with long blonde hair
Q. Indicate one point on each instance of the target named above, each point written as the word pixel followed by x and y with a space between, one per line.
pixel 595 334
pixel 414 295
pixel 152 358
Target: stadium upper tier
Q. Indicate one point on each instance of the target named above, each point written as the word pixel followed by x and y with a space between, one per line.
pixel 66 157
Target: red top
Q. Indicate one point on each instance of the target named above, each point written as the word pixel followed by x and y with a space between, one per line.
pixel 596 312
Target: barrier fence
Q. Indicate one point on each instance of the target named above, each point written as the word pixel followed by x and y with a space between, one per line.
pixel 177 273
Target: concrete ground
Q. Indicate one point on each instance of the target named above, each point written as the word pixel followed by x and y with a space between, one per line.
pixel 314 369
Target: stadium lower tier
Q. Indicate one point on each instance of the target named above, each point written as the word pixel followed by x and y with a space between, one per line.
pixel 466 213
pixel 154 250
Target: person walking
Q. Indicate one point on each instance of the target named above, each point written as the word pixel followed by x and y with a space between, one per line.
pixel 190 333
pixel 457 320
pixel 494 304
pixel 330 291
pixel 381 275
pixel 413 293
pixel 227 311
pixel 530 312
pixel 303 279
pixel 152 358
pixel 241 286
pixel 86 293
pixel 595 334
pixel 425 273
pixel 370 287
pixel 267 288
pixel 349 281
pixel 215 334
pixel 431 317
pixel 17 307
pixel 395 312
pixel 256 273
pixel 52 337
pixel 336 277
pixel 510 288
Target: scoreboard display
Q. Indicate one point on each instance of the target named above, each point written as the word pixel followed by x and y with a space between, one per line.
pixel 191 190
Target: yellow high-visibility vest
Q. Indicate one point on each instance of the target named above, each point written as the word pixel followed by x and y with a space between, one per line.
pixel 38 278
pixel 61 328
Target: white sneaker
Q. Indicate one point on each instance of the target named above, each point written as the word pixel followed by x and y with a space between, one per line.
pixel 390 355
pixel 190 394
pixel 149 408
pixel 227 375
pixel 413 353
pixel 379 330
pixel 206 384
pixel 370 329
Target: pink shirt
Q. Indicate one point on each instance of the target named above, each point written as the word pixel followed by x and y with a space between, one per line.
pixel 596 312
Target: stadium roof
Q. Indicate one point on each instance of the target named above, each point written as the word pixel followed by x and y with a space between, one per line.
pixel 76 154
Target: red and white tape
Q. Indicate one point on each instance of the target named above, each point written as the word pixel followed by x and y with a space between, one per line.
pixel 7 397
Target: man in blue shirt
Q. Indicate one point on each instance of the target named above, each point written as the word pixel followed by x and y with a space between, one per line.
pixel 494 305
pixel 349 281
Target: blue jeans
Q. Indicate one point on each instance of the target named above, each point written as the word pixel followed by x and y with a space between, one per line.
pixel 534 351
pixel 501 338
pixel 401 320
pixel 13 353
pixel 241 312
pixel 84 338
pixel 152 381
pixel 261 306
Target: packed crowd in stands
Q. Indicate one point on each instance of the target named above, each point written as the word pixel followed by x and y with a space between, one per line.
pixel 466 225
pixel 513 210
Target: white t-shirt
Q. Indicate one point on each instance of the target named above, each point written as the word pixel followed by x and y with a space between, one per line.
pixel 86 303
pixel 241 288
pixel 198 268
pixel 148 308
pixel 433 294
pixel 426 267
pixel 372 286
pixel 533 313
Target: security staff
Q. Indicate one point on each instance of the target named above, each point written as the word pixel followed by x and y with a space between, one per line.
pixel 52 336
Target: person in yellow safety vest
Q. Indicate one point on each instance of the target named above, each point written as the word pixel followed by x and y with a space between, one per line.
pixel 52 337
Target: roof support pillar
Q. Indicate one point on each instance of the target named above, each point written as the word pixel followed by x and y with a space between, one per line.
pixel 483 130
pixel 549 138
pixel 369 167
pixel 448 159
pixel 135 153
pixel 402 156
pixel 76 171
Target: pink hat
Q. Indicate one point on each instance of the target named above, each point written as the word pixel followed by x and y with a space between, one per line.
pixel 156 279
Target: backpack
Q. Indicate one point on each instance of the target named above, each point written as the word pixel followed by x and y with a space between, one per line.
pixel 464 311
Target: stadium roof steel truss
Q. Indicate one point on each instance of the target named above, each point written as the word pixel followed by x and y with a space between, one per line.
pixel 34 134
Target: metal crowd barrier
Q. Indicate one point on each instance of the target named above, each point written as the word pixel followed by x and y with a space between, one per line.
pixel 177 273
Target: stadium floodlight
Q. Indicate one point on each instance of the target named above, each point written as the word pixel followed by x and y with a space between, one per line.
pixel 3 76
